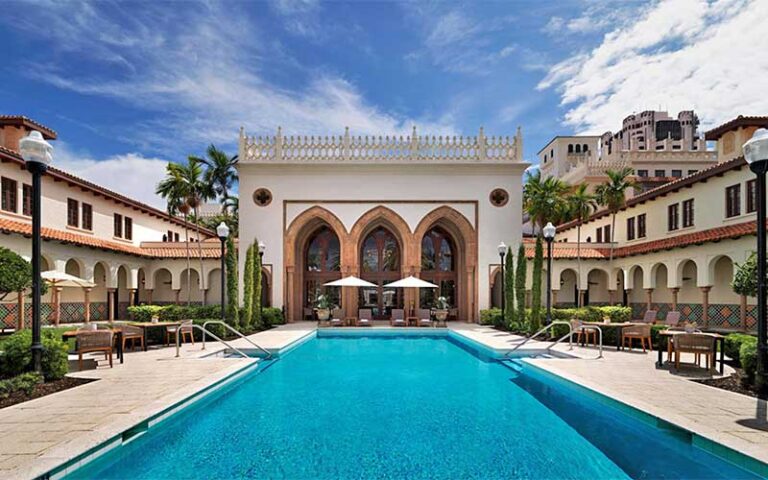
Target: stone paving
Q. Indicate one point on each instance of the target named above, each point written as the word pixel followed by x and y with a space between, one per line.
pixel 41 434
pixel 735 420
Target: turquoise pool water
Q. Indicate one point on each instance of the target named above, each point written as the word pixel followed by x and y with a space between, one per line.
pixel 403 407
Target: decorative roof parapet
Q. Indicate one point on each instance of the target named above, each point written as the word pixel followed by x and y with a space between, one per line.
pixel 367 149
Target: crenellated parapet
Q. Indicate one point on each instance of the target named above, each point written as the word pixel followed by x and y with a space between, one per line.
pixel 372 149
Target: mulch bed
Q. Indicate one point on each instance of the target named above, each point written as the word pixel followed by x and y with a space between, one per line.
pixel 731 383
pixel 44 389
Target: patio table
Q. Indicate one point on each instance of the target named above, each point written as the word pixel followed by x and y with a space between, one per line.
pixel 144 326
pixel 667 334
pixel 118 337
pixel 604 325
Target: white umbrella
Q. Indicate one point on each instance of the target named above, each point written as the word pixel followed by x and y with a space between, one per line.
pixel 411 282
pixel 350 281
pixel 61 279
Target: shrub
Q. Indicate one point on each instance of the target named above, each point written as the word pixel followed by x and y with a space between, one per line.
pixel 256 320
pixel 272 316
pixel 520 274
pixel 509 288
pixel 246 312
pixel 733 343
pixel 748 357
pixel 534 321
pixel 491 316
pixel 16 357
pixel 233 312
pixel 144 313
pixel 745 277
pixel 26 382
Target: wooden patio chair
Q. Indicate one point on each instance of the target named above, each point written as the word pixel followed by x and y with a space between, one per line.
pixel 578 327
pixel 698 344
pixel 90 341
pixel 424 317
pixel 336 318
pixel 364 317
pixel 397 318
pixel 185 330
pixel 134 334
pixel 639 332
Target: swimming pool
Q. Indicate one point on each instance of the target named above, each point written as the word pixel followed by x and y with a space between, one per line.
pixel 403 406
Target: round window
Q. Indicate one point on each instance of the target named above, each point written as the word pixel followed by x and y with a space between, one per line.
pixel 262 197
pixel 499 197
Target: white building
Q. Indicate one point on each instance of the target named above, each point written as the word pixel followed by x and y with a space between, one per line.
pixel 380 208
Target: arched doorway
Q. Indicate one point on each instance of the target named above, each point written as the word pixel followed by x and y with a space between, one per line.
pixel 322 264
pixel 438 266
pixel 380 260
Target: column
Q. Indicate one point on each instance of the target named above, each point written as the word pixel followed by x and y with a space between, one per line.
pixel 176 293
pixel 648 298
pixel 743 311
pixel 20 317
pixel 56 305
pixel 554 298
pixel 580 300
pixel 131 297
pixel 611 297
pixel 705 304
pixel 111 304
pixel 149 296
pixel 87 295
pixel 675 291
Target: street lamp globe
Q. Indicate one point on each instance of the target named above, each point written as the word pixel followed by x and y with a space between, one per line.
pixel 756 148
pixel 34 149
pixel 549 231
pixel 502 248
pixel 222 231
pixel 262 247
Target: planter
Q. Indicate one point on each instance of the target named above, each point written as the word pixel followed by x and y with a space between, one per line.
pixel 323 314
pixel 441 315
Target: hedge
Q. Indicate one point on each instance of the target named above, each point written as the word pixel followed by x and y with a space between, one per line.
pixel 172 313
pixel 25 382
pixel 16 355
pixel 748 357
pixel 492 316
pixel 733 343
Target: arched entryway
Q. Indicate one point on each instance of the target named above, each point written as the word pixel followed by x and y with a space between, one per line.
pixel 380 263
pixel 322 264
pixel 438 266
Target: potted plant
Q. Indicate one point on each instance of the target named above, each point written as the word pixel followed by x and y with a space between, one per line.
pixel 441 309
pixel 323 307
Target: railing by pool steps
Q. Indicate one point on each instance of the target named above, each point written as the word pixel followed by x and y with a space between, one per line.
pixel 568 335
pixel 178 339
pixel 233 330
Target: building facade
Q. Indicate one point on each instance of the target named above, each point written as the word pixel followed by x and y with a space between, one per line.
pixel 380 208
pixel 134 253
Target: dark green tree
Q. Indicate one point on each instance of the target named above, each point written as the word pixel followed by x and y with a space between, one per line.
pixel 15 273
pixel 246 317
pixel 509 289
pixel 233 316
pixel 745 277
pixel 257 320
pixel 520 273
pixel 538 261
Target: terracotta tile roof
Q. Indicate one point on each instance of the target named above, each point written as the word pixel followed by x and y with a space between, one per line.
pixel 48 133
pixel 740 121
pixel 6 154
pixel 174 250
pixel 716 234
pixel 700 176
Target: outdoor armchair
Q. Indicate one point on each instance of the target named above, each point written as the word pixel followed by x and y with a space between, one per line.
pixel 697 343
pixel 336 317
pixel 580 330
pixel 424 316
pixel 185 330
pixel 90 341
pixel 134 334
pixel 397 318
pixel 639 332
pixel 364 317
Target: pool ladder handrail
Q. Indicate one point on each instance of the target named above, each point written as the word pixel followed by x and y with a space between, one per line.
pixel 192 325
pixel 234 330
pixel 542 330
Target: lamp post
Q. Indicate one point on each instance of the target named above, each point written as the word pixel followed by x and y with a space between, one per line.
pixel 756 154
pixel 502 253
pixel 262 247
pixel 38 154
pixel 223 233
pixel 549 235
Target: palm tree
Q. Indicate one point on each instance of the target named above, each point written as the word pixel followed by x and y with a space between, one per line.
pixel 173 189
pixel 581 204
pixel 197 191
pixel 612 194
pixel 220 172
pixel 544 199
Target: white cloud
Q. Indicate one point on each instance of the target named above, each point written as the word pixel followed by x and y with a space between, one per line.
pixel 203 77
pixel 130 174
pixel 680 54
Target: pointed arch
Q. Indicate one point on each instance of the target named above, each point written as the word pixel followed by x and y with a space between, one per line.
pixel 382 216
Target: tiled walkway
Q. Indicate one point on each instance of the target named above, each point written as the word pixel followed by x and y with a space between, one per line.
pixel 38 435
pixel 731 419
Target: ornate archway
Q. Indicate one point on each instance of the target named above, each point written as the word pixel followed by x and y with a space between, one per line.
pixel 380 263
pixel 438 266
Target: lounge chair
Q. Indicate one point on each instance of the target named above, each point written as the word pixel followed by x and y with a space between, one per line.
pixel 672 319
pixel 696 343
pixel 639 332
pixel 578 327
pixel 424 317
pixel 309 314
pixel 364 317
pixel 397 318
pixel 185 330
pixel 336 318
pixel 134 334
pixel 90 341
pixel 649 317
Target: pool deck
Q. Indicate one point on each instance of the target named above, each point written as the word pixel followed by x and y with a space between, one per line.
pixel 731 419
pixel 41 434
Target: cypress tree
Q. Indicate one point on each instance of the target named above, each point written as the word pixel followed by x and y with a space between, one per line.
pixel 520 283
pixel 538 261
pixel 246 319
pixel 233 316
pixel 509 289
pixel 257 320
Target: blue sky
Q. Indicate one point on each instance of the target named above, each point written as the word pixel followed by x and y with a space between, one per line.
pixel 130 86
